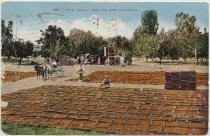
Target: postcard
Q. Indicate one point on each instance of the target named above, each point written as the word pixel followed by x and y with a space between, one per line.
pixel 99 68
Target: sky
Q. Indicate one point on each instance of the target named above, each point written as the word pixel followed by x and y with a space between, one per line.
pixel 114 18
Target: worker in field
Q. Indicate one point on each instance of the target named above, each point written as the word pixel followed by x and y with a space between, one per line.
pixel 105 83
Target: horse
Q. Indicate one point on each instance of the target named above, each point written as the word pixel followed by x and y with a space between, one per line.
pixel 41 71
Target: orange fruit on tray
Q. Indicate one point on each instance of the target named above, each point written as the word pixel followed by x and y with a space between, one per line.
pixel 12 76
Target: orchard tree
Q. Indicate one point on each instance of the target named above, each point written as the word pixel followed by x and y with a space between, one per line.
pixel 81 42
pixel 185 23
pixel 144 37
pixel 188 34
pixel 121 43
pixel 169 45
pixel 163 42
pixel 22 49
pixel 137 33
pixel 146 46
pixel 76 43
pixel 6 38
pixel 53 42
pixel 122 46
pixel 203 46
pixel 174 48
pixel 97 46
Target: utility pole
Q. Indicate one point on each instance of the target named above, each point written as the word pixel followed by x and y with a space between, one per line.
pixel 97 22
pixel 195 54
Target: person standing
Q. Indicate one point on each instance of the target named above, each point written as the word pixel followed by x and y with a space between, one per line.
pixel 82 59
pixel 49 62
pixel 122 61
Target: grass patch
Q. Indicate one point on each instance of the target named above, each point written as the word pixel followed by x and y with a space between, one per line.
pixel 13 129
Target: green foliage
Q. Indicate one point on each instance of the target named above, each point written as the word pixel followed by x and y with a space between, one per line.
pixel 36 53
pixel 6 38
pixel 162 48
pixel 149 21
pixel 185 23
pixel 203 46
pixel 55 50
pixel 81 42
pixel 128 58
pixel 22 49
pixel 146 46
pixel 10 47
pixel 122 44
pixel 173 47
pixel 77 42
pixel 188 34
pixel 144 37
pixel 53 42
pixel 185 41
pixel 137 33
pixel 13 129
pixel 173 52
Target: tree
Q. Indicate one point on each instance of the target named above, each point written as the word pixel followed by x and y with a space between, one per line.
pixel 7 37
pixel 81 42
pixel 146 46
pixel 77 43
pixel 144 40
pixel 53 42
pixel 22 49
pixel 174 48
pixel 203 48
pixel 188 34
pixel 36 53
pixel 185 23
pixel 121 43
pixel 123 47
pixel 163 43
pixel 97 46
pixel 149 21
